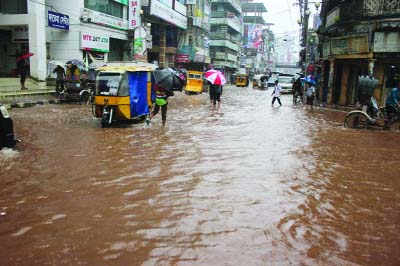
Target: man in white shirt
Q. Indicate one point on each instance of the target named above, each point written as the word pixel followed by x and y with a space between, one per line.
pixel 277 93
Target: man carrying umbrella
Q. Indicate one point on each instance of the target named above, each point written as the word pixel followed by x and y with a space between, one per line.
pixel 310 92
pixel 215 80
pixel 23 67
pixel 166 81
pixel 161 102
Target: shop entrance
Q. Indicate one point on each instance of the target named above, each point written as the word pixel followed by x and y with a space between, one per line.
pixel 9 51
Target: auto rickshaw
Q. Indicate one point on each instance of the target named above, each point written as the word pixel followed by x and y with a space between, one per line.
pixel 194 82
pixel 241 80
pixel 259 81
pixel 123 92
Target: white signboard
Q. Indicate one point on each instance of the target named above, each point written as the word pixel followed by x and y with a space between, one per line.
pixel 387 42
pixel 95 42
pixel 162 11
pixel 180 8
pixel 20 34
pixel 134 14
pixel 105 19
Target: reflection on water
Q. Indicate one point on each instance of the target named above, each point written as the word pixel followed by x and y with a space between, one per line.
pixel 247 184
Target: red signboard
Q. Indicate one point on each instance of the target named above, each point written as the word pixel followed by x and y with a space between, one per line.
pixel 182 58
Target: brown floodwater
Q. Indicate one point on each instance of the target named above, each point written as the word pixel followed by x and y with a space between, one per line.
pixel 248 184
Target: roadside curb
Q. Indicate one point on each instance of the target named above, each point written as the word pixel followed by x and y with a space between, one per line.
pixel 30 103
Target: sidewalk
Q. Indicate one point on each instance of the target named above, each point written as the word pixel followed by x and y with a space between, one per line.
pixel 12 96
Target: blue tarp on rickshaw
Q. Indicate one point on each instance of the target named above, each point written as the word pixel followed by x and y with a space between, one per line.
pixel 138 93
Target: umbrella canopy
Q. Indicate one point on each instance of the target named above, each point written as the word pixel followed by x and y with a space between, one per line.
pixel 309 80
pixel 215 77
pixel 168 79
pixel 24 56
pixel 75 62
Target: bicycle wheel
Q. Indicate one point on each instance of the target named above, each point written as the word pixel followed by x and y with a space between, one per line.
pixel 356 120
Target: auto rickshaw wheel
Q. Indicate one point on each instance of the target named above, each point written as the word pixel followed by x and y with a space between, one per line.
pixel 104 120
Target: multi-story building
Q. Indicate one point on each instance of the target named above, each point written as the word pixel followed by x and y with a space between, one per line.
pixel 225 34
pixel 193 45
pixel 359 37
pixel 254 37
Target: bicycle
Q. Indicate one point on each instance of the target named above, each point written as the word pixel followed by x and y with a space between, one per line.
pixel 372 116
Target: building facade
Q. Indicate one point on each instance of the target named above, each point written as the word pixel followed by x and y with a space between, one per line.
pixel 255 38
pixel 225 34
pixel 359 38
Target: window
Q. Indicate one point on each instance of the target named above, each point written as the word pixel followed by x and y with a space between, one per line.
pixel 171 36
pixel 13 7
pixel 109 7
pixel 108 83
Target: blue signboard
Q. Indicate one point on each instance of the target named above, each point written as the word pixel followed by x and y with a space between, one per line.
pixel 58 20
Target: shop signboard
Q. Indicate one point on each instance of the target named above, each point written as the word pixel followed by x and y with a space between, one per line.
pixel 326 49
pixel 349 45
pixel 163 10
pixel 387 42
pixel 123 2
pixel 57 20
pixel 20 34
pixel 105 19
pixel 95 42
pixel 134 14
pixel 199 58
pixel 180 8
pixel 182 58
pixel 139 44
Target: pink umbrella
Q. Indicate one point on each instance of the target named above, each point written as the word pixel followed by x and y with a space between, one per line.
pixel 27 55
pixel 215 77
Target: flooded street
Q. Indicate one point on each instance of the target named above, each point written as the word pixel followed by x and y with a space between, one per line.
pixel 248 184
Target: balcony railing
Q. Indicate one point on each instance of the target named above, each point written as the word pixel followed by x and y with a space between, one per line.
pixel 224 36
pixel 235 3
pixel 359 9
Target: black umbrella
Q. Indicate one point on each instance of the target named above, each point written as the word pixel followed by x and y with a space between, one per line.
pixel 168 79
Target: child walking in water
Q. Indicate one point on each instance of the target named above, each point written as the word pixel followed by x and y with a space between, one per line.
pixel 276 93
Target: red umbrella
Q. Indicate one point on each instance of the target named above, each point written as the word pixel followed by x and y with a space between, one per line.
pixel 27 55
pixel 215 77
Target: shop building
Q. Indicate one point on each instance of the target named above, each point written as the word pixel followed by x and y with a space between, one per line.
pixel 225 35
pixel 359 38
pixel 193 45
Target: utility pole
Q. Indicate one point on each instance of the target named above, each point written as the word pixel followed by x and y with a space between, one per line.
pixel 304 35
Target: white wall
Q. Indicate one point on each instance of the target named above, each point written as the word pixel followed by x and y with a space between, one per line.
pixel 65 45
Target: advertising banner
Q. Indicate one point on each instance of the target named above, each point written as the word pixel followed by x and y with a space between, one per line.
pixel 95 42
pixel 57 20
pixel 254 36
pixel 134 14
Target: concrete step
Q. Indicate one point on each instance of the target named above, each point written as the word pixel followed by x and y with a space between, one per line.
pixel 7 82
